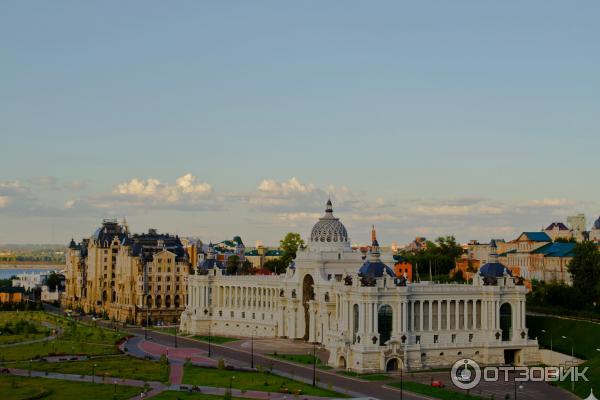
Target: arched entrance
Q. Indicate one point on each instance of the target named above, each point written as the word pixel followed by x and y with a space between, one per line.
pixel 385 323
pixel 342 362
pixel 391 365
pixel 506 321
pixel 308 293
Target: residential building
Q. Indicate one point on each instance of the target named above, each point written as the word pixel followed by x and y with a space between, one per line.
pixel 135 278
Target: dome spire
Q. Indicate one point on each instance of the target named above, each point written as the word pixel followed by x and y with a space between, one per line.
pixel 329 207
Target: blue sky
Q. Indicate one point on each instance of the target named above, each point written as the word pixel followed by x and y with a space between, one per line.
pixel 473 118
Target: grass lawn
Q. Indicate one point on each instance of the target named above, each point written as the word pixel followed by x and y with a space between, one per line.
pixel 367 377
pixel 174 395
pixel 18 388
pixel 215 339
pixel 263 381
pixel 75 338
pixel 585 336
pixel 18 327
pixel 117 366
pixel 436 393
pixel 306 359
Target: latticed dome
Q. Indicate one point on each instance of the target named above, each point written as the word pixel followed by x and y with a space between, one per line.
pixel 329 229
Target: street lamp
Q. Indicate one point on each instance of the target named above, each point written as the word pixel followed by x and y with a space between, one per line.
pixel 115 382
pixel 176 336
pixel 94 372
pixel 551 349
pixel 29 367
pixel 209 340
pixel 231 382
pixel 572 362
pixel 314 382
pixel 252 350
pixel 401 382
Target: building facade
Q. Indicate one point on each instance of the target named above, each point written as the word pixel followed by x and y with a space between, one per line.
pixel 135 278
pixel 366 317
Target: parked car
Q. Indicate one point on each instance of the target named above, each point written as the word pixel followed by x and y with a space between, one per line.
pixel 437 383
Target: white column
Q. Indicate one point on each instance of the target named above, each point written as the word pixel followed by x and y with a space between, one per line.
pixel 421 315
pixel 439 315
pixel 412 316
pixel 448 314
pixel 457 314
pixel 430 315
pixel 474 314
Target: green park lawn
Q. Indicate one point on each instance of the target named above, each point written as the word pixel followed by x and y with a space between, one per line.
pixel 367 377
pixel 436 393
pixel 18 388
pixel 17 328
pixel 174 395
pixel 586 339
pixel 111 366
pixel 306 359
pixel 263 381
pixel 76 338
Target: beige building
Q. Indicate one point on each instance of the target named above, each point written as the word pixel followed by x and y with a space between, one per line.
pixel 127 277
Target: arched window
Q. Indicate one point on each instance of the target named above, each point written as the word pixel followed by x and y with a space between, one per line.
pixel 506 321
pixel 385 323
pixel 158 301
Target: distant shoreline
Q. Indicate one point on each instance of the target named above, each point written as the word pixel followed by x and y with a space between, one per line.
pixel 30 265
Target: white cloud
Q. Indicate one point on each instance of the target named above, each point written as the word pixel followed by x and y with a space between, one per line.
pixel 70 204
pixel 290 187
pixel 441 210
pixel 184 189
pixel 550 202
pixel 4 201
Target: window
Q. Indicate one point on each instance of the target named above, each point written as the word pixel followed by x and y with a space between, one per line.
pixel 159 288
pixel 436 339
pixel 159 270
pixel 231 314
pixel 168 269
pixel 470 337
pixel 168 279
pixel 220 313
pixel 418 339
pixel 253 315
pixel 168 288
pixel 243 314
pixel 454 338
pixel 168 261
pixel 177 278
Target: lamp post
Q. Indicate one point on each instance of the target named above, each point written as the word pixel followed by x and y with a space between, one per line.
pixel 29 367
pixel 551 349
pixel 314 382
pixel 231 383
pixel 401 383
pixel 115 382
pixel 176 327
pixel 209 353
pixel 572 362
pixel 252 350
pixel 94 372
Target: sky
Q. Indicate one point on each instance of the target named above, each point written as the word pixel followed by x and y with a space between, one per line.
pixel 219 118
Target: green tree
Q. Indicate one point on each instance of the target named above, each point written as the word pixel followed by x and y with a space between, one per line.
pixel 53 281
pixel 290 244
pixel 247 267
pixel 277 265
pixel 585 271
pixel 233 264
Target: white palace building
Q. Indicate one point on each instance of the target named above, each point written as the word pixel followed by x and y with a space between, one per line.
pixel 368 319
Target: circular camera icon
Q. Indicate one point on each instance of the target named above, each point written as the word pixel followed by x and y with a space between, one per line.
pixel 465 373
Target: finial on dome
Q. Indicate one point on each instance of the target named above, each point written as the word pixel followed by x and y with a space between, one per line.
pixel 373 234
pixel 329 207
